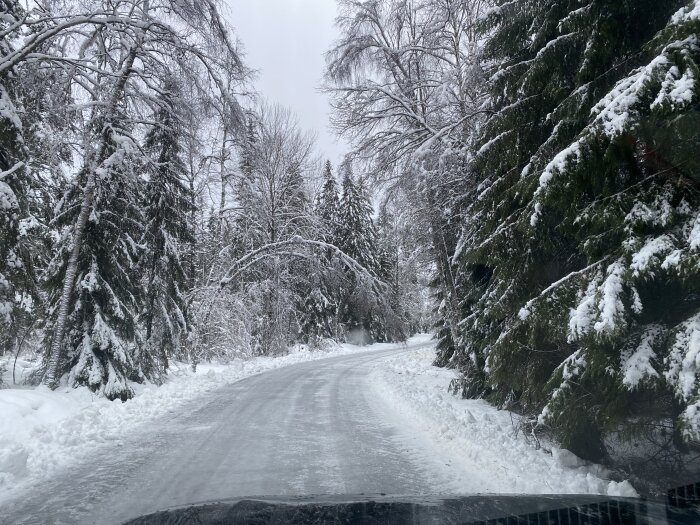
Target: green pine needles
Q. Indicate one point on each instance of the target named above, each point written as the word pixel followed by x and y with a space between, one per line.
pixel 579 262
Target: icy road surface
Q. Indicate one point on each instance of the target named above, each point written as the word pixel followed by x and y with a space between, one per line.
pixel 310 428
pixel 373 422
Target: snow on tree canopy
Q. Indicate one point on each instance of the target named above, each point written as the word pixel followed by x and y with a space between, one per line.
pixel 580 238
pixel 8 112
pixel 683 372
pixel 636 361
pixel 669 81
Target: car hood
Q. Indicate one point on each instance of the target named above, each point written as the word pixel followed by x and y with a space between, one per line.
pixel 384 509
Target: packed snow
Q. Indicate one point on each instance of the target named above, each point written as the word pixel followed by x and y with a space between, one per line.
pixel 44 430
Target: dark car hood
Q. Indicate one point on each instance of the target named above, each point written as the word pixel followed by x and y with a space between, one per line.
pixel 383 509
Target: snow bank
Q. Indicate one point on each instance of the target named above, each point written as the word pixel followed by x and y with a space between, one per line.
pixel 43 430
pixel 482 445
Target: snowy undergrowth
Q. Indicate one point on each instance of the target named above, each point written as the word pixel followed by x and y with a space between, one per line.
pixel 43 430
pixel 479 443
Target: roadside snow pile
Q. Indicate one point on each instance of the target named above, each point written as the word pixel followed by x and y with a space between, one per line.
pixel 481 444
pixel 42 430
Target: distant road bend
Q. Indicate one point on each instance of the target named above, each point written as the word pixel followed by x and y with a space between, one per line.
pixel 310 428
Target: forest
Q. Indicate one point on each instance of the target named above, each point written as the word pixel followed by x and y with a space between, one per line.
pixel 155 209
pixel 524 182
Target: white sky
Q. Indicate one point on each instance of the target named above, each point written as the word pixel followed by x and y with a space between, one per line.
pixel 285 41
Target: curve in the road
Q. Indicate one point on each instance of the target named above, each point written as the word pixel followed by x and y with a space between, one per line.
pixel 310 428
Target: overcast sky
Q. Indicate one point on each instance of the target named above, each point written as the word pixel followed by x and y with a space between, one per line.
pixel 285 41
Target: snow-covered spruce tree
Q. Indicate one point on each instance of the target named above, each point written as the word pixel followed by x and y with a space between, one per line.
pixel 246 191
pixel 387 249
pixel 578 257
pixel 327 206
pixel 16 276
pixel 358 239
pixel 168 232
pixel 101 322
pixel 358 234
pixel 636 317
pixel 247 149
pixel 92 282
pixel 319 311
pixel 393 321
pixel 298 207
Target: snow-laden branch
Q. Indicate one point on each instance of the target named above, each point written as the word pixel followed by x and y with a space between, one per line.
pixel 272 249
pixel 525 310
pixel 18 166
pixel 36 40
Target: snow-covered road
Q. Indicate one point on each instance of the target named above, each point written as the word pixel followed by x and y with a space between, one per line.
pixel 372 422
pixel 310 428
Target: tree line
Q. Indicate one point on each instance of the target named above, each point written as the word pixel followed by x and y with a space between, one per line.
pixel 549 151
pixel 153 209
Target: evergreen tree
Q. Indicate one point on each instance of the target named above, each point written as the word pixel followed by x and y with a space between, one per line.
pixel 296 206
pixel 387 248
pixel 357 235
pixel 358 239
pixel 319 311
pixel 328 206
pixel 391 322
pixel 247 150
pixel 16 276
pixel 246 191
pixel 101 323
pixel 567 290
pixel 167 233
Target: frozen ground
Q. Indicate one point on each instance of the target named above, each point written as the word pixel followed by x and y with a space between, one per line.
pixel 43 431
pixel 368 422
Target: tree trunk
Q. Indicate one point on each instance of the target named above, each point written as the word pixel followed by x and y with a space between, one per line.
pixel 222 174
pixel 442 257
pixel 51 376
